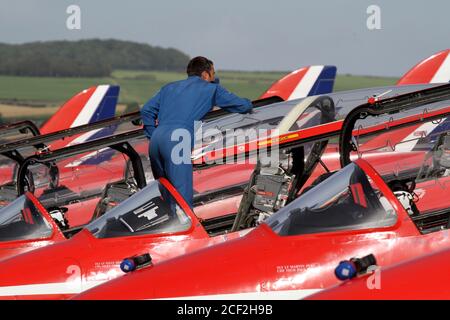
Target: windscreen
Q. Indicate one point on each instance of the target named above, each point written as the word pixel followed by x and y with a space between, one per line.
pixel 346 200
pixel 213 134
pixel 153 210
pixel 223 132
pixel 85 174
pixel 20 143
pixel 21 220
pixel 310 118
pixel 412 158
pixel 270 116
pixel 87 185
pixel 318 111
pixel 262 122
pixel 265 117
pixel 412 141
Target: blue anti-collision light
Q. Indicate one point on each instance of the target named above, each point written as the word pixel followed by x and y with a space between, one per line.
pixel 127 265
pixel 345 270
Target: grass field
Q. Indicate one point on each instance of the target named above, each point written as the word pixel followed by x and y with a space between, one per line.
pixel 137 86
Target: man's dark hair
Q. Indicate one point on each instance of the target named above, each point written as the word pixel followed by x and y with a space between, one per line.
pixel 197 65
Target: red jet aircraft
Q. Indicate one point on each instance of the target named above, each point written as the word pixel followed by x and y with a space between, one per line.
pixel 216 214
pixel 93 255
pixel 294 253
pixel 72 194
pixel 86 107
pixel 99 103
pixel 424 278
pixel 354 210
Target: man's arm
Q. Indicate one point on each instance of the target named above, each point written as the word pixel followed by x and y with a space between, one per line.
pixel 231 102
pixel 149 114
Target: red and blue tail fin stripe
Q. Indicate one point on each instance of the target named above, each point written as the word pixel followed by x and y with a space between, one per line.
pixel 303 82
pixel 101 105
pixel 90 105
pixel 324 81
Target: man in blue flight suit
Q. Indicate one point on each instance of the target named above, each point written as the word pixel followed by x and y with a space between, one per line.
pixel 176 106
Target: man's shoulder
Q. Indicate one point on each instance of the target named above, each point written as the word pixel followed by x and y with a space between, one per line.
pixel 173 84
pixel 189 81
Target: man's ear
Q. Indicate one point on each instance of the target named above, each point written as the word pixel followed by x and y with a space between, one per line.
pixel 205 76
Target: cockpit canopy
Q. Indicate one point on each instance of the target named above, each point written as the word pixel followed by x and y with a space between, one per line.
pixel 346 200
pixel 22 220
pixel 153 210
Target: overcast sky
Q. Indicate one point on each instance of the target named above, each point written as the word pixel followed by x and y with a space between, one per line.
pixel 250 34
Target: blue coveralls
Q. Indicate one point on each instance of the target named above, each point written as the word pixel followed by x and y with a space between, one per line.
pixel 178 105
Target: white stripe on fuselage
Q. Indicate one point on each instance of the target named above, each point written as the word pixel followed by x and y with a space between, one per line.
pixel 89 109
pixel 83 137
pixel 47 288
pixel 265 295
pixel 408 143
pixel 443 73
pixel 305 85
pixel 91 155
pixel 60 288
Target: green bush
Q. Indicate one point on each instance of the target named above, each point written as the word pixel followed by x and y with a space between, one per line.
pixel 86 58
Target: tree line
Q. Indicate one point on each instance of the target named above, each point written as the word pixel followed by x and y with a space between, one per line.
pixel 86 58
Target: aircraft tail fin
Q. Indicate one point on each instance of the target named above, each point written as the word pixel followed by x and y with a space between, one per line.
pixel 303 82
pixel 88 106
pixel 434 69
